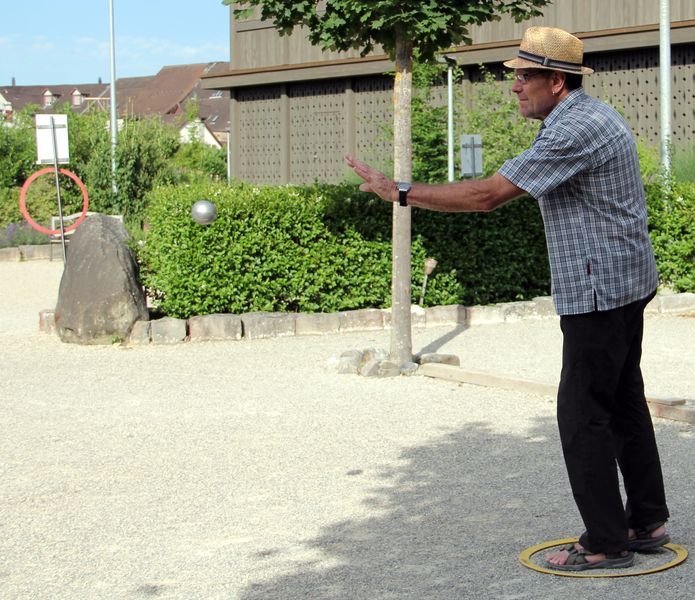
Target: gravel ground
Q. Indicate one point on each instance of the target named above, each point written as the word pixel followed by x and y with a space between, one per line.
pixel 248 470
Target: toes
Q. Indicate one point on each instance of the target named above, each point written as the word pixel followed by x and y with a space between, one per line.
pixel 559 558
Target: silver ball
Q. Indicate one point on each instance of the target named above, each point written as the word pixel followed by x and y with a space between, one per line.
pixel 203 212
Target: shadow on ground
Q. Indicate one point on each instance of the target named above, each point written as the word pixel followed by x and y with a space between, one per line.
pixel 455 518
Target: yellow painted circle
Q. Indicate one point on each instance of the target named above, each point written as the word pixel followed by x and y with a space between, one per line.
pixel 680 554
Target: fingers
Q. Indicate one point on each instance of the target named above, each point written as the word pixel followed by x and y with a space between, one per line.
pixel 374 181
pixel 358 167
pixel 361 168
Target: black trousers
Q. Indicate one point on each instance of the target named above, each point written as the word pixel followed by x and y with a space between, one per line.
pixel 605 424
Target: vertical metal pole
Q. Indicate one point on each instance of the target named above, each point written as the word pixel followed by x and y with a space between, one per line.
pixel 229 156
pixel 665 81
pixel 114 117
pixel 60 200
pixel 450 119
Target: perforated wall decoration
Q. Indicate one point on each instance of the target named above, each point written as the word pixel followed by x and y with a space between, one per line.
pixel 260 135
pixel 317 126
pixel 373 117
pixel 319 112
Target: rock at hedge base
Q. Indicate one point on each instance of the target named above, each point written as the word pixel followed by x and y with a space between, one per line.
pixel 100 297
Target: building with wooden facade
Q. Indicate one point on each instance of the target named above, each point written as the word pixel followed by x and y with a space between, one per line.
pixel 296 110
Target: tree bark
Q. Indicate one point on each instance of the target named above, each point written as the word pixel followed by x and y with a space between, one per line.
pixel 401 335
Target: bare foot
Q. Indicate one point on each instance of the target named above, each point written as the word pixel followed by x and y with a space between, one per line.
pixel 560 558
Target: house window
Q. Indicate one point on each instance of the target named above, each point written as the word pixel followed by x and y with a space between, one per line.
pixel 77 98
pixel 48 98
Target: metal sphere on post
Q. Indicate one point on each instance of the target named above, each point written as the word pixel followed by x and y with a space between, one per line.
pixel 203 212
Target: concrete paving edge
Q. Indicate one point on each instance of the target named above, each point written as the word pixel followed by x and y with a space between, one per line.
pixel 257 325
pixel 675 409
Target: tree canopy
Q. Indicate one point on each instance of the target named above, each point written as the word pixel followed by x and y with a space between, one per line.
pixel 432 25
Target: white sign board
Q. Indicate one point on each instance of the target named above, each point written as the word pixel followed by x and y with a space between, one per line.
pixel 46 125
pixel 471 155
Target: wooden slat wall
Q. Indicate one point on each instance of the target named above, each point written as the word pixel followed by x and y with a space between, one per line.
pixel 585 16
pixel 256 44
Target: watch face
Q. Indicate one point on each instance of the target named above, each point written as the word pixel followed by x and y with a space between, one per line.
pixel 403 186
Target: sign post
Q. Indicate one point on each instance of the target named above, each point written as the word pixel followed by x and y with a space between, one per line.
pixel 471 155
pixel 52 147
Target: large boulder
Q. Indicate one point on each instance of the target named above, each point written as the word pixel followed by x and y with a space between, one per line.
pixel 99 298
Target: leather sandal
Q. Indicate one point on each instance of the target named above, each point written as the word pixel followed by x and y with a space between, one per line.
pixel 576 561
pixel 643 540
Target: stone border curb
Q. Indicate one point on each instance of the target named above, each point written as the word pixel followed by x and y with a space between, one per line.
pixel 31 252
pixel 258 325
pixel 675 409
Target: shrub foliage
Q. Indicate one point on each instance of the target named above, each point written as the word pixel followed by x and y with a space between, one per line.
pixel 672 230
pixel 326 248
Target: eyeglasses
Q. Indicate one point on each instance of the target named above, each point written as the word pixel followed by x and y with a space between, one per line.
pixel 523 78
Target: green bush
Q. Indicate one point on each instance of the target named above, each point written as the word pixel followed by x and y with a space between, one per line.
pixel 684 163
pixel 671 219
pixel 9 206
pixel 20 234
pixel 144 148
pixel 495 257
pixel 326 248
pixel 268 250
pixel 41 200
pixel 194 161
pixel 17 149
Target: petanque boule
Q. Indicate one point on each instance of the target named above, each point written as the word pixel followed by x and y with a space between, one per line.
pixel 203 212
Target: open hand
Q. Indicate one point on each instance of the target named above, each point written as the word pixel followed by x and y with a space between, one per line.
pixel 374 181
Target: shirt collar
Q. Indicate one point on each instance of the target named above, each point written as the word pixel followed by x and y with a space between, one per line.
pixel 572 98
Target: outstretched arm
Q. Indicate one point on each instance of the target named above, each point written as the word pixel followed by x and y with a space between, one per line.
pixel 480 195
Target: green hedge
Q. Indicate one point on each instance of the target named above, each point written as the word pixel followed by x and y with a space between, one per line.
pixel 672 229
pixel 328 248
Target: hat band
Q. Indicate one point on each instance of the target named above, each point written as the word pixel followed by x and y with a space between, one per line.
pixel 550 62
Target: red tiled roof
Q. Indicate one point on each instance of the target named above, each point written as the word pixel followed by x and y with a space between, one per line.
pixel 167 89
pixel 164 93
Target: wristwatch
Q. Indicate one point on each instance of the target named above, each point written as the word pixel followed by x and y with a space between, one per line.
pixel 403 188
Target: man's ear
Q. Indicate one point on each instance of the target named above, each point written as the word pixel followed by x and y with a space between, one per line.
pixel 558 80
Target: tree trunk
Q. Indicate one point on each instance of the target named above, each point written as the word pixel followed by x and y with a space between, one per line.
pixel 401 337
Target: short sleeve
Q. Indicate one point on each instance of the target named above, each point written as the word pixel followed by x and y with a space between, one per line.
pixel 555 157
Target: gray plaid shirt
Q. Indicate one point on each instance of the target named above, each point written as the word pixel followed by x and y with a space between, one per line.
pixel 584 171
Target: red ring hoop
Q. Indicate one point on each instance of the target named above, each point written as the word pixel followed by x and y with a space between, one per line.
pixel 34 224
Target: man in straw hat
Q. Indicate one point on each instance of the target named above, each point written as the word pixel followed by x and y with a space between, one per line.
pixel 584 171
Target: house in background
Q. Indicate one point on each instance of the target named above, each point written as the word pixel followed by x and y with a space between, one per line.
pixel 296 110
pixel 170 91
pixel 165 94
pixel 5 107
pixel 80 97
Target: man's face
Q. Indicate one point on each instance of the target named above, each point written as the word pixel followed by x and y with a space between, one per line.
pixel 534 90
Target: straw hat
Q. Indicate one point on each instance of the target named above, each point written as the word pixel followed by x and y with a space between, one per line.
pixel 552 49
